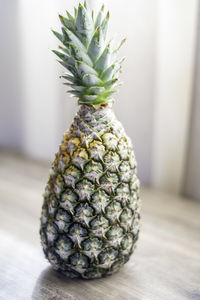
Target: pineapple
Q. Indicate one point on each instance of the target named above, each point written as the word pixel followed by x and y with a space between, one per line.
pixel 91 211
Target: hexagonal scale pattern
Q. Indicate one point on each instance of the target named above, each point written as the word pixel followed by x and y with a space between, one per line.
pixel 91 211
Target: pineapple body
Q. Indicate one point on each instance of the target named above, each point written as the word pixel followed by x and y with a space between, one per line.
pixel 91 210
pixel 90 216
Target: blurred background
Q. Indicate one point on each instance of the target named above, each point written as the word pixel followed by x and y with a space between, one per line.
pixel 158 104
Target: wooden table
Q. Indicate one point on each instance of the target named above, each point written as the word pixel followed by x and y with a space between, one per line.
pixel 166 264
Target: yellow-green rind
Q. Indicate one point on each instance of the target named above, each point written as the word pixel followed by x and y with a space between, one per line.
pixel 91 212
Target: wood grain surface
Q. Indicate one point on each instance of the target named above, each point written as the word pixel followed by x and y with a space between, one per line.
pixel 166 263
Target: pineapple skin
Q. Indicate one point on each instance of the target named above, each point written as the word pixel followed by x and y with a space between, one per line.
pixel 91 212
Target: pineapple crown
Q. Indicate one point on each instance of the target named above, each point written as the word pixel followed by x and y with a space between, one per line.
pixel 90 60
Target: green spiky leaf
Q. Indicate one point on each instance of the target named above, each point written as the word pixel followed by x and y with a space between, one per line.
pixel 99 17
pixel 84 25
pixel 65 50
pixel 60 55
pixel 83 68
pixel 66 22
pixel 70 37
pixel 58 35
pixel 96 90
pixel 107 74
pixel 92 65
pixel 103 61
pixel 96 45
pixel 104 25
pixel 69 78
pixel 91 80
pixel 79 54
pixel 70 18
pixel 110 83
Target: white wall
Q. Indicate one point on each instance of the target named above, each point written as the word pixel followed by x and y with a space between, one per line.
pixel 176 43
pixel 10 100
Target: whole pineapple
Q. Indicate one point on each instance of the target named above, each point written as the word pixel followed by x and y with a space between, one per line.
pixel 90 216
